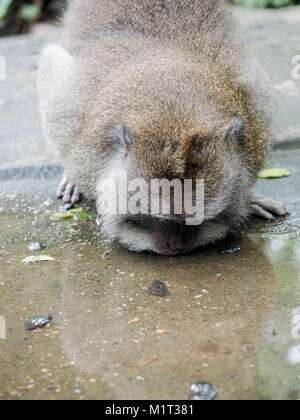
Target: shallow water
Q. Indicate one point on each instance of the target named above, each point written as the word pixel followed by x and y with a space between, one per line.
pixel 231 320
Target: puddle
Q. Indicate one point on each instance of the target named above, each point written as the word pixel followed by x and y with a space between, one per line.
pixel 231 320
pixel 278 356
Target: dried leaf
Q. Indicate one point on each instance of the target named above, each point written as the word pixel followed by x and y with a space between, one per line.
pixel 274 173
pixel 37 259
pixel 63 215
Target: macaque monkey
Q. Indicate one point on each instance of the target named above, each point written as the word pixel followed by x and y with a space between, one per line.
pixel 159 90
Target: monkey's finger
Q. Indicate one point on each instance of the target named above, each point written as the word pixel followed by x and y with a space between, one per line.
pixel 258 211
pixel 67 197
pixel 75 196
pixel 274 207
pixel 61 188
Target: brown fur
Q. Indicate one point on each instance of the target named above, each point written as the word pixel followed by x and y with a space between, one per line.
pixel 163 78
pixel 174 73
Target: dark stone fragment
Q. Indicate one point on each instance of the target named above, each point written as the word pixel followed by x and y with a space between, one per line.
pixel 36 246
pixel 202 391
pixel 37 321
pixel 157 288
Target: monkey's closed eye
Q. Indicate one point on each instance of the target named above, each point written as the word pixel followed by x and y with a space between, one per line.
pixel 194 167
pixel 119 136
pixel 139 221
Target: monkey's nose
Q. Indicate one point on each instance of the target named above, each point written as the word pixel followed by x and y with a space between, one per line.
pixel 176 243
pixel 171 243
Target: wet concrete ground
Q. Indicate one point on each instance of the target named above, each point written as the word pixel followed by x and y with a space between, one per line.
pixel 230 320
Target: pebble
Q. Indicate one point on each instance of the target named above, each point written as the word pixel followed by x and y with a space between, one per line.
pixel 66 207
pixel 36 246
pixel 37 321
pixel 229 251
pixel 157 288
pixel 202 391
pixel 161 332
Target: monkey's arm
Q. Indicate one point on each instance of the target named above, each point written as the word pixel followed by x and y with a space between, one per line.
pixel 56 87
pixel 267 208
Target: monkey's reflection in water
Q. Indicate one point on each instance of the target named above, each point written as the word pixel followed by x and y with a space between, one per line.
pixel 280 346
pixel 209 324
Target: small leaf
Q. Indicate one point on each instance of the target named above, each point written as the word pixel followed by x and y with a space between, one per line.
pixel 37 259
pixel 63 215
pixel 77 210
pixel 274 173
pixel 80 214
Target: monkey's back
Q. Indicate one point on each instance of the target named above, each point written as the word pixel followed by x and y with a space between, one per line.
pixel 199 25
pixel 155 18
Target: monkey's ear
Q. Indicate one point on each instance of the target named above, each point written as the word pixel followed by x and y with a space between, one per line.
pixel 120 136
pixel 235 129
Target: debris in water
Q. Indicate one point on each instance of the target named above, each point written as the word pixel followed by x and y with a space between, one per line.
pixel 37 321
pixel 37 259
pixel 157 288
pixel 36 246
pixel 161 332
pixel 106 255
pixel 155 359
pixel 66 207
pixel 203 391
pixel 78 213
pixel 63 215
pixel 133 321
pixel 229 251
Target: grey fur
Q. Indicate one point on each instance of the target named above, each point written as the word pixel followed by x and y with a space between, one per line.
pixel 157 74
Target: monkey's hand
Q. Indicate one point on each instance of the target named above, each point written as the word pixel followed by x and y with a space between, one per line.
pixel 68 191
pixel 267 208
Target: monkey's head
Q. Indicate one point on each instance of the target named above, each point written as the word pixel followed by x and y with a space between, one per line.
pixel 142 200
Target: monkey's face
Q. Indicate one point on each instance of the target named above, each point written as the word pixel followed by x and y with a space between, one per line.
pixel 167 235
pixel 162 203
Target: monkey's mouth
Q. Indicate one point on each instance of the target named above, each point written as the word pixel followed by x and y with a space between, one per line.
pixel 171 244
pixel 168 237
pixel 171 253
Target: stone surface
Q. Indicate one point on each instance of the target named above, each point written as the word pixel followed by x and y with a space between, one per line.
pixel 274 36
pixel 21 140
